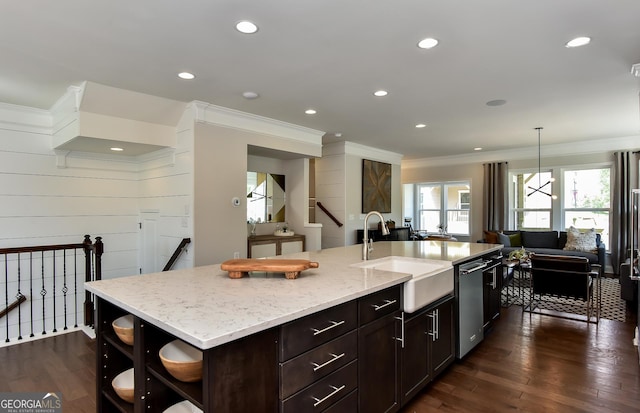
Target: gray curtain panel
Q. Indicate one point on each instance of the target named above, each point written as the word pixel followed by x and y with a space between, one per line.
pixel 494 199
pixel 625 178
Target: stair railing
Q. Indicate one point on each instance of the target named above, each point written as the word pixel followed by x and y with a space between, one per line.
pixel 181 247
pixel 329 214
pixel 51 278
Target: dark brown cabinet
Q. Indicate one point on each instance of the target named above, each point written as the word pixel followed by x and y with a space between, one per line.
pixel 228 370
pixel 428 346
pixel 379 351
pixel 318 360
pixel 357 356
pixel 443 339
pixel 492 288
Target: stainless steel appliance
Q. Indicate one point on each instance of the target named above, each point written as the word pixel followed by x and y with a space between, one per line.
pixel 470 304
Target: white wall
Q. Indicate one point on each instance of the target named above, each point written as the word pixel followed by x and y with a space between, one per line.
pixel 220 174
pixel 339 188
pixel 166 186
pixel 42 204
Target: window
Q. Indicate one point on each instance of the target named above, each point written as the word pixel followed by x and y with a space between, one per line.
pixel 531 204
pixel 587 200
pixel 584 202
pixel 444 205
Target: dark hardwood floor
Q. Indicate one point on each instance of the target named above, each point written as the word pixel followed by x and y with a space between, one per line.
pixel 537 363
pixel 527 363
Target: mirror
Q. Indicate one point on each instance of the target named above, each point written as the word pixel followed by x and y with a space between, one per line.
pixel 265 197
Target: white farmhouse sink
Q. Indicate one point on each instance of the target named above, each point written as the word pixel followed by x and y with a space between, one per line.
pixel 431 280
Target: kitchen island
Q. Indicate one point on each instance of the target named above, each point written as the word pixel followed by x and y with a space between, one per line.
pixel 237 323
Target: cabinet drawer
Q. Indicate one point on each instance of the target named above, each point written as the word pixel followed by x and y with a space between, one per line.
pixel 379 304
pixel 311 331
pixel 308 367
pixel 347 405
pixel 325 392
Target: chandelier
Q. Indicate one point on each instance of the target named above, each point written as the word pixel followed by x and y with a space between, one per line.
pixel 541 186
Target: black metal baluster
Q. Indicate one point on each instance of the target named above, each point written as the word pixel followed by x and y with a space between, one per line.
pixel 31 292
pixel 64 285
pixel 53 257
pixel 6 295
pixel 75 285
pixel 43 293
pixel 18 297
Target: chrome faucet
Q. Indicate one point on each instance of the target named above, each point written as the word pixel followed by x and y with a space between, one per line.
pixel 367 244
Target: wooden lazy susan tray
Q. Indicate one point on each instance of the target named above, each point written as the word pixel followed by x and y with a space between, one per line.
pixel 291 268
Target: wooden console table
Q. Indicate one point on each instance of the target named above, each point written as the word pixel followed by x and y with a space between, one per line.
pixel 269 245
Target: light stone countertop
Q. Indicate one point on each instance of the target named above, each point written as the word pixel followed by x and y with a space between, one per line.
pixel 206 308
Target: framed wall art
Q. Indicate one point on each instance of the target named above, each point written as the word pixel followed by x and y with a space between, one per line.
pixel 376 186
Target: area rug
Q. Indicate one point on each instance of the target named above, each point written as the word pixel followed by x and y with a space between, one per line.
pixel 613 307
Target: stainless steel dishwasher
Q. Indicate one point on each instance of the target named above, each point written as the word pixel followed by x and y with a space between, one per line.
pixel 470 305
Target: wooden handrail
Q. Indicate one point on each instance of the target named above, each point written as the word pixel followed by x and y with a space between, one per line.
pixel 176 253
pixel 329 214
pixel 13 305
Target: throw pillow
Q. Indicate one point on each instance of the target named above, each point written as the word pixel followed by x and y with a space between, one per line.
pixel 491 237
pixel 581 241
pixel 504 239
pixel 515 239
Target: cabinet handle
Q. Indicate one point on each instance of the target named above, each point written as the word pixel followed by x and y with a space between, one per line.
pixel 387 303
pixel 335 391
pixel 335 357
pixel 401 338
pixel 435 324
pixel 333 325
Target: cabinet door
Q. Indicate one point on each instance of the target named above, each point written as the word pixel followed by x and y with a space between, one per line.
pixel 378 352
pixel 491 296
pixel 444 339
pixel 416 368
pixel 263 250
pixel 290 247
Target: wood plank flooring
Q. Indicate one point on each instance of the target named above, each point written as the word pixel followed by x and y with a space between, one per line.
pixel 537 363
pixel 527 363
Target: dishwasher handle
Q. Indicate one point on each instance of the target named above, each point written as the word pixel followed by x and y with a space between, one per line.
pixel 469 270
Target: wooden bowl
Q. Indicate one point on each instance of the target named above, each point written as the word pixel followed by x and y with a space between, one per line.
pixel 182 361
pixel 123 328
pixel 123 385
pixel 184 406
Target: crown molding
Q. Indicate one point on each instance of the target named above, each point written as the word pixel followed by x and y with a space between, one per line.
pixel 362 151
pixel 217 115
pixel 25 119
pixel 529 152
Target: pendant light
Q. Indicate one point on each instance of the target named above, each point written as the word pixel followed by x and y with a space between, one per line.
pixel 540 185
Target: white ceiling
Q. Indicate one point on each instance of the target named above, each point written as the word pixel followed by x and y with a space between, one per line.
pixel 331 55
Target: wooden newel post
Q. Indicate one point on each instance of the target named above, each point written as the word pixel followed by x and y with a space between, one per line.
pixel 93 271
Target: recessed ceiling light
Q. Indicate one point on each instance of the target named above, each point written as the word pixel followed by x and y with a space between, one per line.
pixel 497 102
pixel 116 149
pixel 380 93
pixel 186 76
pixel 338 134
pixel 477 149
pixel 578 41
pixel 421 125
pixel 246 27
pixel 251 95
pixel 310 111
pixel 428 43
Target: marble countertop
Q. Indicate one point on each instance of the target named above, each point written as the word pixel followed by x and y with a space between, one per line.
pixel 206 308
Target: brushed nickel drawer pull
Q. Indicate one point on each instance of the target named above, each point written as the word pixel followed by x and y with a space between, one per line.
pixel 335 357
pixel 387 303
pixel 333 393
pixel 333 325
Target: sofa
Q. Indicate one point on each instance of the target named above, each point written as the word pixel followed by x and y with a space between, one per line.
pixel 569 243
